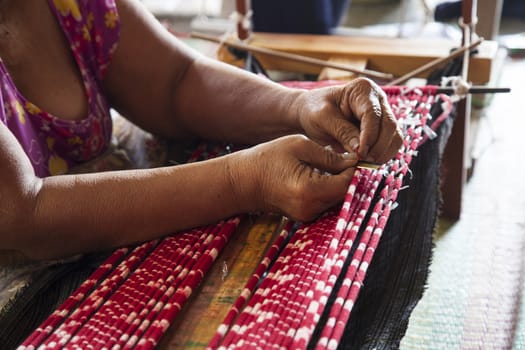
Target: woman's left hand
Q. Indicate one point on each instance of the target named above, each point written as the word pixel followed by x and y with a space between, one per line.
pixel 355 117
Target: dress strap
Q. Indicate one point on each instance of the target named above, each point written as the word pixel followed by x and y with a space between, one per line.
pixel 92 28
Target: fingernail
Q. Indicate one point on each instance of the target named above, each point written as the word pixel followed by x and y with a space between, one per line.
pixel 354 143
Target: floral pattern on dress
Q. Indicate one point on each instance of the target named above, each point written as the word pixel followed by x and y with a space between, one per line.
pixel 55 145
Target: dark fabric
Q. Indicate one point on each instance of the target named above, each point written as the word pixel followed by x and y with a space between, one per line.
pixel 396 278
pixel 298 16
pixel 46 292
pixel 451 10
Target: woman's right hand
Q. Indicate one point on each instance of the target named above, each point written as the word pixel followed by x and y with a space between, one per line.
pixel 292 175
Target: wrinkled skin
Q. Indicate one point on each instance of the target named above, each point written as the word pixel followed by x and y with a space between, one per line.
pixel 355 117
pixel 286 177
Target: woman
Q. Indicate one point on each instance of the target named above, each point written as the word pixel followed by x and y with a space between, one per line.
pixel 66 62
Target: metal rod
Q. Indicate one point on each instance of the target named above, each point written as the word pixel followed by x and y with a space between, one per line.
pixel 367 165
pixel 475 90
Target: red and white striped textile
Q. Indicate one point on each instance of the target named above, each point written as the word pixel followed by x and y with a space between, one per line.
pixel 132 298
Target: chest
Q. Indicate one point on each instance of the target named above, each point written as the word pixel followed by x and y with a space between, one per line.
pixel 37 56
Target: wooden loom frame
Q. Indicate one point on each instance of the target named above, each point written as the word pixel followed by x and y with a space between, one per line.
pixel 243 252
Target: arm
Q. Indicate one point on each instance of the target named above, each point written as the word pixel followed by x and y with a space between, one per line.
pixel 167 88
pixel 67 214
pixel 174 92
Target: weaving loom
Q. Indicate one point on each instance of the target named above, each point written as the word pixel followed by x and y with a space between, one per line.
pixel 304 293
pixel 134 297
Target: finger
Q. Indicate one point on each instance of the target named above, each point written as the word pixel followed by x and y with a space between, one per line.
pixel 370 124
pixel 390 150
pixel 329 119
pixel 389 139
pixel 345 133
pixel 332 188
pixel 324 158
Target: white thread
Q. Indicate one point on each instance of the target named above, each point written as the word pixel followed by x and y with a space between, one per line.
pixel 245 20
pixel 460 86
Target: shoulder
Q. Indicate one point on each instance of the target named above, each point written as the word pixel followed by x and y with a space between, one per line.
pixel 81 9
pixel 92 28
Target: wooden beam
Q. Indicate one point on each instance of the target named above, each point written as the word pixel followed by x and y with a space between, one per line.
pixel 337 74
pixel 397 56
pixel 281 55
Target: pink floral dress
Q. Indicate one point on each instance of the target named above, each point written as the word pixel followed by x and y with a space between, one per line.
pixel 55 145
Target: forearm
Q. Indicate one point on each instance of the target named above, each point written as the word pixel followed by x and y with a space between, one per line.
pixel 79 213
pixel 216 101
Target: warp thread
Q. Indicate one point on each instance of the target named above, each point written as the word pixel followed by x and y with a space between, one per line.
pixel 311 262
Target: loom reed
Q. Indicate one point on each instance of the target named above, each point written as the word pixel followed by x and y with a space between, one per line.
pixel 180 262
pixel 329 259
pixel 298 253
pixel 290 292
pixel 293 315
pixel 153 289
pixel 331 254
pixel 248 314
pixel 289 308
pixel 172 270
pixel 282 267
pixel 341 256
pixel 356 258
pixel 337 256
pixel 332 333
pixel 251 285
pixel 276 267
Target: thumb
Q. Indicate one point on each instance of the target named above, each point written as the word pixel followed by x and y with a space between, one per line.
pixel 325 159
pixel 343 131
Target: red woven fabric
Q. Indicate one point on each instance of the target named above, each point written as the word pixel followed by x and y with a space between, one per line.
pixel 285 309
pixel 131 300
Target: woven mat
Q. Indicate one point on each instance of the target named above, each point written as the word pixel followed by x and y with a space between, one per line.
pixel 475 297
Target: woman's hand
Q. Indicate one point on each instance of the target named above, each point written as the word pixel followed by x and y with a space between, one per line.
pixel 353 117
pixel 292 175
